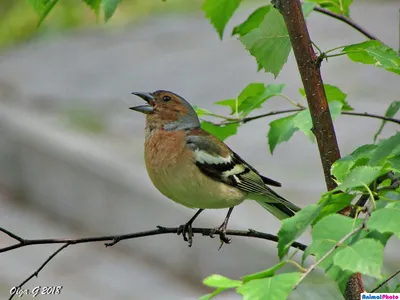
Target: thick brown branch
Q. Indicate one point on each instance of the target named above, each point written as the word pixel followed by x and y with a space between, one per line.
pixel 113 239
pixel 313 85
pixel 346 20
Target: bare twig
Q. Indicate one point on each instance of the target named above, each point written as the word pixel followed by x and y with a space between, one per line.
pixel 113 239
pixel 36 273
pixel 346 20
pixel 285 111
pixel 386 281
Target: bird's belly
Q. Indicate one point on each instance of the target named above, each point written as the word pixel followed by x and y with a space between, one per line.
pixel 196 191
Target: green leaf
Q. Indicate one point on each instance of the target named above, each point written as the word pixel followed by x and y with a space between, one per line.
pixel 43 8
pixel 269 43
pixel 390 113
pixel 333 93
pixel 202 111
pixel 109 7
pixel 358 177
pixel 213 294
pixel 385 220
pixel 364 256
pixel 333 203
pixel 221 132
pixel 219 281
pixel 294 227
pixel 253 21
pixel 376 53
pixel 229 102
pixel 94 4
pixel 281 130
pixel 337 6
pixel 386 149
pixel 395 163
pixel 303 119
pixel 360 156
pixel 264 273
pixel 278 287
pixel 219 12
pixel 327 233
pixel 267 39
pixel 251 102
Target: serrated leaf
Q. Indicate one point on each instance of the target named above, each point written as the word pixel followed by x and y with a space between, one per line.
pixel 278 287
pixel 264 273
pixel 109 7
pixel 219 281
pixel 358 177
pixel 43 8
pixel 360 156
pixel 376 53
pixel 365 256
pixel 253 21
pixel 294 227
pixel 251 102
pixel 390 113
pixel 380 237
pixel 332 203
pixel 394 163
pixel 385 220
pixel 219 12
pixel 281 130
pixel 232 103
pixel 94 4
pixel 327 233
pixel 341 7
pixel 213 294
pixel 269 41
pixel 202 111
pixel 221 132
pixel 386 149
pixel 303 119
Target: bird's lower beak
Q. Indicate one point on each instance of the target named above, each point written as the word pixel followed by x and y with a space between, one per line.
pixel 147 108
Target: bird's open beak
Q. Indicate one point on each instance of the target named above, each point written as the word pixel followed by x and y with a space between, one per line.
pixel 147 108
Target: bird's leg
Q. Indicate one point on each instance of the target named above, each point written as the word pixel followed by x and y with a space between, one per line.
pixel 222 229
pixel 187 229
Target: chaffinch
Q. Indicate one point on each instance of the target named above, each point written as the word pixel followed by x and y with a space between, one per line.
pixel 195 169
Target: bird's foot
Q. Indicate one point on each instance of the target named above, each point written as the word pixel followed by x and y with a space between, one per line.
pixel 187 233
pixel 221 230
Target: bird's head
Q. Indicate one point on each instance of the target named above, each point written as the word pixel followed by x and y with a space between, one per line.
pixel 168 111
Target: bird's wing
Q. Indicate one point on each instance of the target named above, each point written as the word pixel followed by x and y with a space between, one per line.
pixel 218 161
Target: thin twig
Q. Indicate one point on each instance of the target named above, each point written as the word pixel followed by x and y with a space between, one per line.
pixel 285 111
pixel 36 273
pixel 346 20
pixel 113 239
pixel 386 281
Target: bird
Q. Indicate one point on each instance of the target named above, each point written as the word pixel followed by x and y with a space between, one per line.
pixel 194 168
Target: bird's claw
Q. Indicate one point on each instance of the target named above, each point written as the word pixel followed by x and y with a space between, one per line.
pixel 187 233
pixel 222 235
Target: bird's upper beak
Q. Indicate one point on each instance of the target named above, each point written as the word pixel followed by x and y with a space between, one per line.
pixel 147 108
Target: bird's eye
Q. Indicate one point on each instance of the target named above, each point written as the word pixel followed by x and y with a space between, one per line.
pixel 166 98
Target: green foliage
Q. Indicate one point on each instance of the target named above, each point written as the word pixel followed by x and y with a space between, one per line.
pixel 221 132
pixel 341 7
pixel 219 281
pixel 364 256
pixel 267 38
pixel 219 13
pixel 43 8
pixel 94 4
pixel 386 220
pixel 375 53
pixel 281 130
pixel 333 93
pixel 295 226
pixel 109 7
pixel 390 113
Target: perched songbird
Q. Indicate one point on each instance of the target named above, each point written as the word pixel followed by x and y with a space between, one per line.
pixel 194 168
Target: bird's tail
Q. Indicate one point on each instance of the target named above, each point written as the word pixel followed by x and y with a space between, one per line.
pixel 276 205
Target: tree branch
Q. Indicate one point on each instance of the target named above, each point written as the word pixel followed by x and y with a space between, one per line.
pixel 285 111
pixel 113 239
pixel 346 20
pixel 386 281
pixel 36 273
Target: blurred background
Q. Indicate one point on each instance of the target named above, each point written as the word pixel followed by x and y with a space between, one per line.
pixel 71 153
